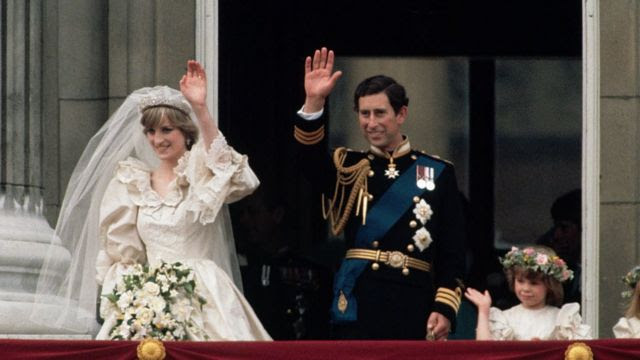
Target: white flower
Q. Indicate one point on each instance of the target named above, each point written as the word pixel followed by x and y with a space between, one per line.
pixel 151 288
pixel 179 332
pixel 182 310
pixel 124 300
pixel 163 320
pixel 157 304
pixel 124 330
pixel 106 308
pixel 139 327
pixel 141 298
pixel 144 315
pixel 423 211
pixel 422 239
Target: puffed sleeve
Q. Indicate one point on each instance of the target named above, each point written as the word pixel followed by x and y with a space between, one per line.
pixel 499 325
pixel 627 328
pixel 120 244
pixel 216 176
pixel 569 324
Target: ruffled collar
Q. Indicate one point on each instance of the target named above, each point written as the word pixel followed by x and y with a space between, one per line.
pixel 137 175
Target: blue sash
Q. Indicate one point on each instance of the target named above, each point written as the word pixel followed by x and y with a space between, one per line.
pixel 391 206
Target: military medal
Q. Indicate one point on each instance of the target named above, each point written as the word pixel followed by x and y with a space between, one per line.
pixel 391 172
pixel 431 185
pixel 424 178
pixel 421 177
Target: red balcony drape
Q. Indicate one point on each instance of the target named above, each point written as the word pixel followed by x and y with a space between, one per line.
pixel 312 350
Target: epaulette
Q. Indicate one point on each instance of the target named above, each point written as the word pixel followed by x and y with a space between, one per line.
pixel 436 157
pixel 350 155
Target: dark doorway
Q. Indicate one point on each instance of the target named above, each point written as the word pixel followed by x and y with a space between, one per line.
pixel 262 50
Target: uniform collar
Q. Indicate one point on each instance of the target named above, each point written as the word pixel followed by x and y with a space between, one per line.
pixel 403 149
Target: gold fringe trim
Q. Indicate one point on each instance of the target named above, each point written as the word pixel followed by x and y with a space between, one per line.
pixel 308 137
pixel 337 210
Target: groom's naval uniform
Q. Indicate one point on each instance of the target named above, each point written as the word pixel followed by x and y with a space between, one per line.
pixel 404 231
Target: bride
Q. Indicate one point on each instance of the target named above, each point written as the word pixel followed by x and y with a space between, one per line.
pixel 166 204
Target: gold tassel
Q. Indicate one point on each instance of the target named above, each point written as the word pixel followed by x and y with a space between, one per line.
pixel 365 204
pixel 338 212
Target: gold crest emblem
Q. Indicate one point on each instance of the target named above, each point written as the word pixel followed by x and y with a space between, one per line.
pixel 342 302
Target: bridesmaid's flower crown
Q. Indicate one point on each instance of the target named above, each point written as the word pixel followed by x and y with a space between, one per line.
pixel 631 279
pixel 531 259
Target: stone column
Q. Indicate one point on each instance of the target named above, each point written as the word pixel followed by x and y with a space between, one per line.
pixel 25 235
pixel 619 153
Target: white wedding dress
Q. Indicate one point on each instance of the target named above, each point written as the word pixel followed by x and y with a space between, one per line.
pixel 137 225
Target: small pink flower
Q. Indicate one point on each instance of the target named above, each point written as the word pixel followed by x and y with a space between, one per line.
pixel 565 274
pixel 559 262
pixel 541 259
pixel 529 251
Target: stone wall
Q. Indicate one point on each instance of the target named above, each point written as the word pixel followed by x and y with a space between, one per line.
pixel 95 53
pixel 620 152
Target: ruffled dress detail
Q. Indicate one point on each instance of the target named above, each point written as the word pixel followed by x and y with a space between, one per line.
pixel 547 323
pixel 627 328
pixel 137 225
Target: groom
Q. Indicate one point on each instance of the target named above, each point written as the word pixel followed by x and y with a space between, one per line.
pixel 399 210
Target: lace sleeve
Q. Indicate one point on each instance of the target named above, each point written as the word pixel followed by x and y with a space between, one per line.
pixel 216 176
pixel 569 324
pixel 499 325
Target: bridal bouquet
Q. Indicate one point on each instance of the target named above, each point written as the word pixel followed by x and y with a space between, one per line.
pixel 154 303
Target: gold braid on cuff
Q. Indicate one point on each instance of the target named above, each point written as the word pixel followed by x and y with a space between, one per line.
pixel 450 297
pixel 308 137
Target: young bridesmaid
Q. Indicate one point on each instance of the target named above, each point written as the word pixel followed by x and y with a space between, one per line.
pixel 629 326
pixel 535 275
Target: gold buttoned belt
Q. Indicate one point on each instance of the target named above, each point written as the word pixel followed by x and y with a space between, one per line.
pixel 394 259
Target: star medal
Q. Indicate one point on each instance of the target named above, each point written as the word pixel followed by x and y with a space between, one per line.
pixel 391 172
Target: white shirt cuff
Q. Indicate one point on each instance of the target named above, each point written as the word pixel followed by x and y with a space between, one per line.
pixel 310 116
